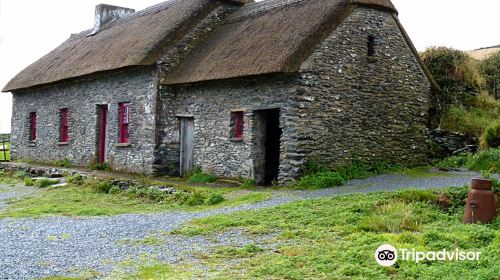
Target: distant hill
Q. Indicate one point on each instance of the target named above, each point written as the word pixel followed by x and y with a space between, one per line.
pixel 483 53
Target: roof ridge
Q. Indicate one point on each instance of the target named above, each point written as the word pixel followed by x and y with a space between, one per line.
pixel 257 8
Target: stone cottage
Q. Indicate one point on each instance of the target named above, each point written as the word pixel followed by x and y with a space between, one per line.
pixel 237 88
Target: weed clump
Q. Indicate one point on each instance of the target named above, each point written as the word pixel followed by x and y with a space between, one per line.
pixel 200 177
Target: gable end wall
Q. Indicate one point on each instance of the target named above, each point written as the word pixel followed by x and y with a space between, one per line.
pixel 355 106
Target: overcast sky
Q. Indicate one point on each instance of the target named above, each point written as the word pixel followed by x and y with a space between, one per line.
pixel 31 28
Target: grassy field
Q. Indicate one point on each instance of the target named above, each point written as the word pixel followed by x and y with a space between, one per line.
pixel 335 238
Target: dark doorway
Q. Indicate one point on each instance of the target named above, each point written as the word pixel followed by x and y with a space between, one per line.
pixel 101 137
pixel 267 153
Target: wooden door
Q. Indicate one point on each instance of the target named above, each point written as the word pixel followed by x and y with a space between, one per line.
pixel 187 138
pixel 102 111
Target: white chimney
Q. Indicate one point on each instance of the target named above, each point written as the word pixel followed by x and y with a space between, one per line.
pixel 105 14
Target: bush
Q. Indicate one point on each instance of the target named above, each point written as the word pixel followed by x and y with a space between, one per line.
pixel 29 182
pixel 491 136
pixel 487 160
pixel 75 179
pixel 103 187
pixel 456 161
pixel 320 180
pixel 43 183
pixel 458 77
pixel 195 199
pixel 200 177
pixel 214 199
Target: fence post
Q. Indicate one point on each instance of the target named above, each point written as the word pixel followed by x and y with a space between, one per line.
pixel 4 150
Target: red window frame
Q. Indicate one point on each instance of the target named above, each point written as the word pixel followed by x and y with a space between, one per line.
pixel 33 126
pixel 64 135
pixel 239 124
pixel 124 122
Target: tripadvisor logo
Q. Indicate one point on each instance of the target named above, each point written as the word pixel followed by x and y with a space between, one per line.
pixel 387 255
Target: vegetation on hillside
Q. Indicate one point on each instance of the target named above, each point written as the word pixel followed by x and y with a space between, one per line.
pixel 467 99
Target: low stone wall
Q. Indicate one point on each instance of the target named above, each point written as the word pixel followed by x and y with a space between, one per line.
pixel 40 171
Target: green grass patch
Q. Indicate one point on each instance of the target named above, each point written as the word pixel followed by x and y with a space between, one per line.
pixel 200 177
pixel 474 119
pixel 319 176
pixel 335 238
pixel 485 160
pixel 96 198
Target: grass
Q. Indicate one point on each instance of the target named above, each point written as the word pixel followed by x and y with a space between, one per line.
pixel 335 238
pixel 486 160
pixel 474 119
pixel 319 176
pixel 83 200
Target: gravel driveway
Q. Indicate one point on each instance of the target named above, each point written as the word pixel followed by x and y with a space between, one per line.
pixel 36 248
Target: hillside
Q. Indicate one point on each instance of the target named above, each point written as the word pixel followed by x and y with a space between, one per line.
pixel 483 53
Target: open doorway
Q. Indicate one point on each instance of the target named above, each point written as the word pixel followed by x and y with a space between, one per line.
pixel 101 137
pixel 267 149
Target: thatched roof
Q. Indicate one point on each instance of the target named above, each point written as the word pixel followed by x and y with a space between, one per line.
pixel 129 41
pixel 267 37
pixel 273 36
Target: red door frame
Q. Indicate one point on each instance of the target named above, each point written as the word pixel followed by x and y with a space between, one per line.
pixel 103 111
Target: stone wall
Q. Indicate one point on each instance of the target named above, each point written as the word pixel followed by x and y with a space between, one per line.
pixel 211 103
pixel 137 86
pixel 360 106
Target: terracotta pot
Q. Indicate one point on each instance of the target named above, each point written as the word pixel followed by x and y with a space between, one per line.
pixel 481 206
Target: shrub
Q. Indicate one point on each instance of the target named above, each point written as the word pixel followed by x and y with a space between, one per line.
pixel 488 160
pixel 200 177
pixel 103 187
pixel 320 180
pixel 43 183
pixel 3 173
pixel 214 199
pixel 456 161
pixel 196 198
pixel 491 136
pixel 29 182
pixel 75 179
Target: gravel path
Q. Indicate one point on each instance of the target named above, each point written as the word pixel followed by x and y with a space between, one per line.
pixel 36 248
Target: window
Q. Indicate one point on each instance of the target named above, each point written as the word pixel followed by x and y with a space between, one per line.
pixel 124 122
pixel 63 124
pixel 237 125
pixel 33 126
pixel 371 45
